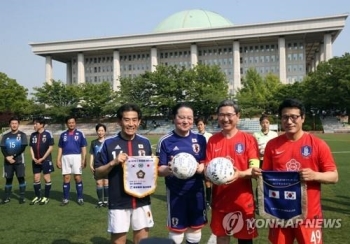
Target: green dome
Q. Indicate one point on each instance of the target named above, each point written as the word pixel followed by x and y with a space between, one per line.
pixel 192 19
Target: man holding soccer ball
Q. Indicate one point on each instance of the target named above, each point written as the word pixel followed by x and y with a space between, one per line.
pixel 233 202
pixel 186 197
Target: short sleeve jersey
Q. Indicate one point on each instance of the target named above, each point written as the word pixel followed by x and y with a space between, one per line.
pixel 309 151
pixel 111 147
pixel 72 142
pixel 95 147
pixel 240 148
pixel 172 144
pixel 262 139
pixel 13 144
pixel 40 143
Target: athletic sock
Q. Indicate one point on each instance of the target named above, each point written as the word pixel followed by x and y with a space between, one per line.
pixel 47 189
pixel 66 190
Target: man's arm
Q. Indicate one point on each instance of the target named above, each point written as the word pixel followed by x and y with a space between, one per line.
pixel 103 170
pixel 59 158
pixel 329 177
pixel 83 157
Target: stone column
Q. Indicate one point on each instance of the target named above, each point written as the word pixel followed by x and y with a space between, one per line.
pixel 236 67
pixel 328 47
pixel 69 73
pixel 48 70
pixel 154 59
pixel 282 58
pixel 194 54
pixel 116 70
pixel 80 69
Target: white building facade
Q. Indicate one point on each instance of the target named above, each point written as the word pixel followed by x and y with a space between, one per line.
pixel 288 49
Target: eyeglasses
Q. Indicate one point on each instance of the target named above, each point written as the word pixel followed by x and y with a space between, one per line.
pixel 228 115
pixel 293 117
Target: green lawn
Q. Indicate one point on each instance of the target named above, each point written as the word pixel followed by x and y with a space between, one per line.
pixel 75 224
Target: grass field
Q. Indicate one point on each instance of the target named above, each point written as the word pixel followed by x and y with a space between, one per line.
pixel 74 224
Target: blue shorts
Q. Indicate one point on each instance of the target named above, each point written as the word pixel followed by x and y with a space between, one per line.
pixel 186 210
pixel 11 169
pixel 46 167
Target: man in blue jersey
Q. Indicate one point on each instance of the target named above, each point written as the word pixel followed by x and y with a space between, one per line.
pixel 13 145
pixel 124 209
pixel 101 184
pixel 71 158
pixel 186 198
pixel 41 144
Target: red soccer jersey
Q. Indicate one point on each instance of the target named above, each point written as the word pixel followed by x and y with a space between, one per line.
pixel 240 148
pixel 309 151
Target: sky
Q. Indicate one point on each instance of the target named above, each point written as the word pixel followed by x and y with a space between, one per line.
pixel 34 21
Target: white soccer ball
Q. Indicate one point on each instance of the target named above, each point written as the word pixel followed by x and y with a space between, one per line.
pixel 184 165
pixel 220 170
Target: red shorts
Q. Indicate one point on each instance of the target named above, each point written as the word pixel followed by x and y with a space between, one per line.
pixel 236 223
pixel 303 234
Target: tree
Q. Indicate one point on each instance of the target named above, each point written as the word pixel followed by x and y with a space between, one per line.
pixel 13 96
pixel 156 92
pixel 329 86
pixel 257 94
pixel 98 99
pixel 59 99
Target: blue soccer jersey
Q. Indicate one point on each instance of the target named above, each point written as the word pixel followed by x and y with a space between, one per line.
pixel 14 144
pixel 172 144
pixel 72 142
pixel 95 147
pixel 112 146
pixel 40 143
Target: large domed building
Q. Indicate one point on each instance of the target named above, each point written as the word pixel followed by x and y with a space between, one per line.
pixel 290 49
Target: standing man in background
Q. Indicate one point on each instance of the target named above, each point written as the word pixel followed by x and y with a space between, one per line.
pixel 41 144
pixel 71 158
pixel 13 145
pixel 201 126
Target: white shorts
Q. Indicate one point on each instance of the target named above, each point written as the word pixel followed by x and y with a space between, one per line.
pixel 71 164
pixel 119 219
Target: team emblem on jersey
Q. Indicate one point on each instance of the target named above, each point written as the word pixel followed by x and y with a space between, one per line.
pixel 76 137
pixel 142 153
pixel 196 148
pixel 293 165
pixel 140 146
pixel 18 137
pixel 140 174
pixel 239 148
pixel 306 151
pixel 174 222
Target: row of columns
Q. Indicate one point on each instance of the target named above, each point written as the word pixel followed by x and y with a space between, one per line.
pixel 324 54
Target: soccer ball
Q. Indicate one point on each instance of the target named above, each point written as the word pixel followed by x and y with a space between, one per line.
pixel 220 170
pixel 184 165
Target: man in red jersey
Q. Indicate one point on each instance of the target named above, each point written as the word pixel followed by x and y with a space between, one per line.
pixel 233 203
pixel 300 151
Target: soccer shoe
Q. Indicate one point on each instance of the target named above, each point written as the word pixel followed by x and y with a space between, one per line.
pixel 208 206
pixel 64 202
pixel 35 201
pixel 5 200
pixel 81 202
pixel 99 205
pixel 21 200
pixel 105 204
pixel 44 201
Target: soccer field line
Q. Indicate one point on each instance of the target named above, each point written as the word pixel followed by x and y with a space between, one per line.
pixel 342 152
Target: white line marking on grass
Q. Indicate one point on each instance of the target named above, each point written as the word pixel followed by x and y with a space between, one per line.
pixel 342 152
pixel 154 146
